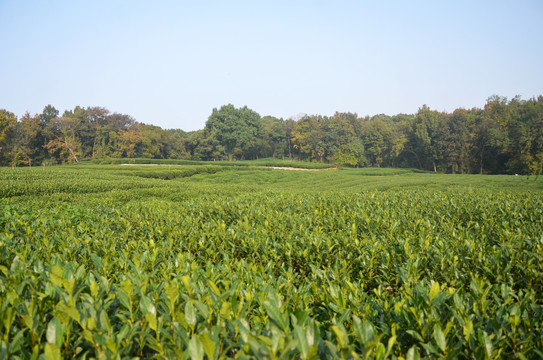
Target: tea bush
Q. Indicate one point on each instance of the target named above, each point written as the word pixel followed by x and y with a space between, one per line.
pixel 98 263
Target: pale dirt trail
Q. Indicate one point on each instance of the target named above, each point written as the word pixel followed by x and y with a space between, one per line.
pixel 152 165
pixel 293 168
pixel 264 167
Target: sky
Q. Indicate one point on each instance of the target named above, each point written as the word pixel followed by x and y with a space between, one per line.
pixel 169 63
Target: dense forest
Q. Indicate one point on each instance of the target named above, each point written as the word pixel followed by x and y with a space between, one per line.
pixel 506 136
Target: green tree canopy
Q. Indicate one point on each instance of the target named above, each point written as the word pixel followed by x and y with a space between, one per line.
pixel 236 128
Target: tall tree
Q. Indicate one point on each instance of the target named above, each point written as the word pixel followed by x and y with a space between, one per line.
pixel 274 136
pixel 129 142
pixel 289 128
pixel 49 113
pixel 526 136
pixel 26 140
pixel 65 144
pixel 209 147
pixel 308 137
pixel 338 132
pixel 351 154
pixel 153 144
pixel 455 142
pixel 7 122
pixel 381 143
pixel 236 128
pixel 424 136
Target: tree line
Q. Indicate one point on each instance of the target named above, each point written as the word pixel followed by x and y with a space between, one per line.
pixel 506 136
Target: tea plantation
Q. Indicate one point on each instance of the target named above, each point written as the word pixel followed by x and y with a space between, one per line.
pixel 212 261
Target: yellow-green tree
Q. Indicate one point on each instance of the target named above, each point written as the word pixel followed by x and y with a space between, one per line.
pixel 26 140
pixel 7 122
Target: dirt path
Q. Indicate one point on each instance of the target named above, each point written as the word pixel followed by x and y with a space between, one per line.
pixel 294 168
pixel 264 167
pixel 152 165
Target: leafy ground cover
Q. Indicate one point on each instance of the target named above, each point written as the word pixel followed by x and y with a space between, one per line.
pixel 205 261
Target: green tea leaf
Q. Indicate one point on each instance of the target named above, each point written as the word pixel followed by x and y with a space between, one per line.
pixel 56 275
pixel 434 290
pixel 275 314
pixel 214 287
pixel 468 328
pixel 391 342
pixel 196 349
pixel 186 282
pixel 123 299
pixel 367 333
pixel 94 287
pixel 127 286
pixel 484 340
pixel 412 353
pixel 190 314
pixel 208 343
pixel 439 338
pixel 54 332
pixel 172 292
pixel 380 351
pixel 301 341
pixel 71 311
pixel 340 335
pixel 226 310
pixel 152 320
pixel 51 352
pixel 147 306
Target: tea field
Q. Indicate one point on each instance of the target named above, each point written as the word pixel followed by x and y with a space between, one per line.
pixel 199 261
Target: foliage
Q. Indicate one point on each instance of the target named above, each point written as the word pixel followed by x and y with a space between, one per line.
pixel 7 122
pixel 237 130
pixel 506 136
pixel 103 261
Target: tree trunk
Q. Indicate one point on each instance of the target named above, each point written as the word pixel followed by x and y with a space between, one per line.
pixel 71 150
pixel 481 162
pixel 73 154
pixel 289 153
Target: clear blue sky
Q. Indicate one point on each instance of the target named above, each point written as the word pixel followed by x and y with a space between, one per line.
pixel 169 63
